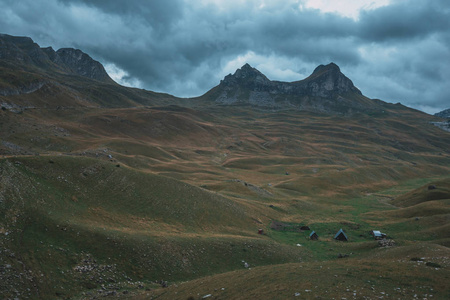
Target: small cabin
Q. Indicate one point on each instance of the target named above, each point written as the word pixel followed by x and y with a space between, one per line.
pixel 313 236
pixel 341 236
pixel 378 235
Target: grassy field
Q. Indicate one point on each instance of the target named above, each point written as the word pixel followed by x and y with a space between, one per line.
pixel 117 201
pixel 84 225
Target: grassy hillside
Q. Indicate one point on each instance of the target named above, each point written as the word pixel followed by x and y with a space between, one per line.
pixel 380 278
pixel 416 266
pixel 60 214
pixel 110 191
pixel 75 225
pixel 433 191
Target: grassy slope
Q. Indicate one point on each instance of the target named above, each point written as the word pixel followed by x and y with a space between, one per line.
pixel 137 225
pixel 346 278
pixel 61 209
pixel 430 192
pixel 417 267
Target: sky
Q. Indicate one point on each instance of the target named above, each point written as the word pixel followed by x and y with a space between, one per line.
pixel 393 50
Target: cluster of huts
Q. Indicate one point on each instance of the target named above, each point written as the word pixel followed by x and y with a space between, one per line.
pixel 341 236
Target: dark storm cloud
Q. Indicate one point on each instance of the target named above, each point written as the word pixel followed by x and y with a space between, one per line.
pixel 398 52
pixel 416 35
pixel 405 20
pixel 156 13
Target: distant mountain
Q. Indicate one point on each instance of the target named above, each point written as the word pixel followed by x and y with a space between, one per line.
pixel 43 77
pixel 326 90
pixel 71 78
pixel 446 124
pixel 24 51
pixel 443 114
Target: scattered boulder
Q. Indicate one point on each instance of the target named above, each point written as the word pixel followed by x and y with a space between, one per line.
pixel 386 243
pixel 163 283
pixel 246 265
pixel 340 255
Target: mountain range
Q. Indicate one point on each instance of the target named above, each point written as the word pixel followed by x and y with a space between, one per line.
pixel 113 191
pixel 326 90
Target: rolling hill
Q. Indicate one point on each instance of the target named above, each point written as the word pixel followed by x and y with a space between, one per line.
pixel 113 191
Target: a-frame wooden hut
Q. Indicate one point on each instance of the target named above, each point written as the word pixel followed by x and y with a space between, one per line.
pixel 341 236
pixel 313 236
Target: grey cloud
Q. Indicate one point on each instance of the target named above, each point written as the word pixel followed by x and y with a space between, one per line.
pixel 405 20
pixel 157 13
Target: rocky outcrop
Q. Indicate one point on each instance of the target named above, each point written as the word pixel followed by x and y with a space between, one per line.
pixel 81 64
pixel 28 88
pixel 326 81
pixel 443 114
pixel 21 49
pixel 442 125
pixel 327 89
pixel 445 125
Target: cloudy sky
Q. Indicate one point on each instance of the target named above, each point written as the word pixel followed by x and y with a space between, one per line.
pixel 394 50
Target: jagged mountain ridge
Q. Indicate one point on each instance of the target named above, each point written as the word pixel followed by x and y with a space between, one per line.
pixel 25 51
pixel 323 82
pixel 443 114
pixel 326 90
pixel 31 77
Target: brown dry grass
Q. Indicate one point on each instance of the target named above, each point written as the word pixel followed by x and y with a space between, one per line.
pixel 391 276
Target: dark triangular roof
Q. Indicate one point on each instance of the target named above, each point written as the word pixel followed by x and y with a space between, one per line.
pixel 339 233
pixel 313 233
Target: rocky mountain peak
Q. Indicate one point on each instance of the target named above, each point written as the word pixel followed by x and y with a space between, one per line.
pixel 82 64
pixel 18 40
pixel 21 49
pixel 246 75
pixel 331 67
pixel 247 71
pixel 328 79
pixel 25 52
pixel 327 89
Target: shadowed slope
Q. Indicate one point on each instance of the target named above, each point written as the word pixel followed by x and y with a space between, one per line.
pixel 64 209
